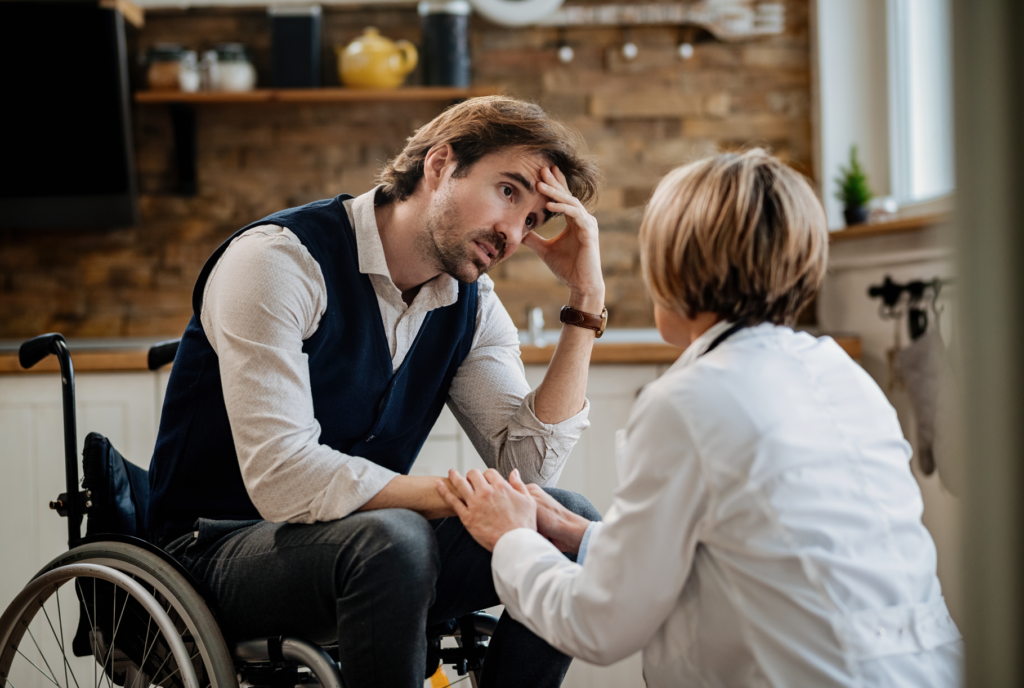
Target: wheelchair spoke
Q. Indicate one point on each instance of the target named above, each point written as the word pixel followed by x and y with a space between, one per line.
pixel 60 641
pixel 95 631
pixel 60 624
pixel 113 638
pixel 50 678
pixel 158 670
pixel 88 616
pixel 149 647
pixel 60 620
pixel 145 655
pixel 41 654
pixel 168 676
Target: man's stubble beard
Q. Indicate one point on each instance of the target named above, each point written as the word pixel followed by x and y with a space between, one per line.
pixel 450 248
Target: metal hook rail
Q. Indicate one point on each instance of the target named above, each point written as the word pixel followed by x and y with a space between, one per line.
pixel 891 293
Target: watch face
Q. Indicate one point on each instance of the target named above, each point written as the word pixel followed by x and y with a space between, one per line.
pixel 604 319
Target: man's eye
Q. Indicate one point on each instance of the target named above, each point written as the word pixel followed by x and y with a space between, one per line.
pixel 507 190
pixel 529 222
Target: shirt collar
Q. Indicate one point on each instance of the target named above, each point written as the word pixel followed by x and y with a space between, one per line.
pixel 368 245
pixel 441 291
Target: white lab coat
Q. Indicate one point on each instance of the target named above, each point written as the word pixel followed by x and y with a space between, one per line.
pixel 766 532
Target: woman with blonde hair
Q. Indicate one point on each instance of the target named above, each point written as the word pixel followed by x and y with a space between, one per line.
pixel 767 528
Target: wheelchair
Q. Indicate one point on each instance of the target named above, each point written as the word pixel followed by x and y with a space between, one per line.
pixel 117 610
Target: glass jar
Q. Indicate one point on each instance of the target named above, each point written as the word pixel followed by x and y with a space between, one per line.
pixel 209 71
pixel 164 60
pixel 234 70
pixel 188 71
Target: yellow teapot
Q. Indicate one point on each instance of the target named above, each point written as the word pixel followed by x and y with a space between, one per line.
pixel 372 61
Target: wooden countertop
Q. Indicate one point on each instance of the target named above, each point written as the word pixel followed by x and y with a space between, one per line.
pixel 83 362
pixel 649 353
pixel 604 353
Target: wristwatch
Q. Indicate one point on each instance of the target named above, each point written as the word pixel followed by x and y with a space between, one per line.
pixel 597 323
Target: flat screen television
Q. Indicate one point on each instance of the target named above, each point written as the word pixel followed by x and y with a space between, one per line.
pixel 66 151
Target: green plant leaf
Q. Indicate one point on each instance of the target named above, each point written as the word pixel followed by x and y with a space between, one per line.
pixel 852 183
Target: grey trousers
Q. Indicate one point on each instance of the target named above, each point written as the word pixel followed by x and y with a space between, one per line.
pixel 372 582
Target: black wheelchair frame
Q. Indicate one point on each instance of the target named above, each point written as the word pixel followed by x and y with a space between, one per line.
pixel 117 564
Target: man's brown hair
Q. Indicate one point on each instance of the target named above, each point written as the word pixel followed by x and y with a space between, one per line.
pixel 480 126
pixel 740 235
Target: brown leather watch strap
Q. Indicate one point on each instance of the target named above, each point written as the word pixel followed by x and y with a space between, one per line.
pixel 571 316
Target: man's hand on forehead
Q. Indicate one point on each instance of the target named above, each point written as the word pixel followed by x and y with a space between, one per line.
pixel 574 255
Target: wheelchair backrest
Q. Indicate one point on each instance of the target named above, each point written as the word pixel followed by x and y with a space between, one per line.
pixel 118 490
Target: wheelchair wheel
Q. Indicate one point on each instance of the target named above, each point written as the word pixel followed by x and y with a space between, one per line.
pixel 96 629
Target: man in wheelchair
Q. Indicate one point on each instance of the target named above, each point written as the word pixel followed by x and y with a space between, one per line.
pixel 325 341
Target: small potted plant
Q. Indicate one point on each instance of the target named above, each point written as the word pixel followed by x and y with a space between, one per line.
pixel 853 190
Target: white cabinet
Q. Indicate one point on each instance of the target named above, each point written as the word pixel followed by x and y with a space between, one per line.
pixel 122 406
pixel 125 407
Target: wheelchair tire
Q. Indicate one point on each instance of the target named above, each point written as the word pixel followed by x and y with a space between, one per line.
pixel 212 660
pixel 112 654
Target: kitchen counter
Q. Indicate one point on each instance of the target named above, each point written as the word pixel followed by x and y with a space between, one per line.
pixel 639 346
pixel 623 347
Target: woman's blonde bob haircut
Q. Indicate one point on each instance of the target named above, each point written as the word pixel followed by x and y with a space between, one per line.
pixel 740 235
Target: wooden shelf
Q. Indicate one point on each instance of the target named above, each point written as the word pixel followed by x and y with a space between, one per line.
pixel 899 226
pixel 315 95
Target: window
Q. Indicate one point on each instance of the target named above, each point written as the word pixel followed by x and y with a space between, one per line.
pixel 920 99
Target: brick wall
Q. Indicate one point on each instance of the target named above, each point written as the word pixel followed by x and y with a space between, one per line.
pixel 640 118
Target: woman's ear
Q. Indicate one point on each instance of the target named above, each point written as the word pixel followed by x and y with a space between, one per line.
pixel 435 164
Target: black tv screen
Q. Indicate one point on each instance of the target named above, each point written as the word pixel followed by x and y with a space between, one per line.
pixel 66 144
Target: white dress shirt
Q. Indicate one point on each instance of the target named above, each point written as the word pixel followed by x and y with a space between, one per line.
pixel 766 532
pixel 266 295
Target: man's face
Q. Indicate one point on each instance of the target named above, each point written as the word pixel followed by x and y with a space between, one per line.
pixel 475 222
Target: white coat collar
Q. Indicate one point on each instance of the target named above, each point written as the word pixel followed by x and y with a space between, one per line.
pixel 701 344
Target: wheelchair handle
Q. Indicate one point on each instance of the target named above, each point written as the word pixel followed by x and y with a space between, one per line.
pixel 162 353
pixel 38 348
pixel 30 353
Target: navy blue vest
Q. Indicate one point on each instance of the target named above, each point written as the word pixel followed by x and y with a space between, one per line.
pixel 363 408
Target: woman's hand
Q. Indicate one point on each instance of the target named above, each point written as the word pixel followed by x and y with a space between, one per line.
pixel 574 256
pixel 488 505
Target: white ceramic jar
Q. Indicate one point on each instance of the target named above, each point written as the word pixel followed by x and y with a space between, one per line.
pixel 234 70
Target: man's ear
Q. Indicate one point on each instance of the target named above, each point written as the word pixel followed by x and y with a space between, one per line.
pixel 436 163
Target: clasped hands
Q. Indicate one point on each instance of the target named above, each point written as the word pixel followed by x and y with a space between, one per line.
pixel 490 506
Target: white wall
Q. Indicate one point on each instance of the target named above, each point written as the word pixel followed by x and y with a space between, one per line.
pixel 853 94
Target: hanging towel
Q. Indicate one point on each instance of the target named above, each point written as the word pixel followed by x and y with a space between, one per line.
pixel 927 373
